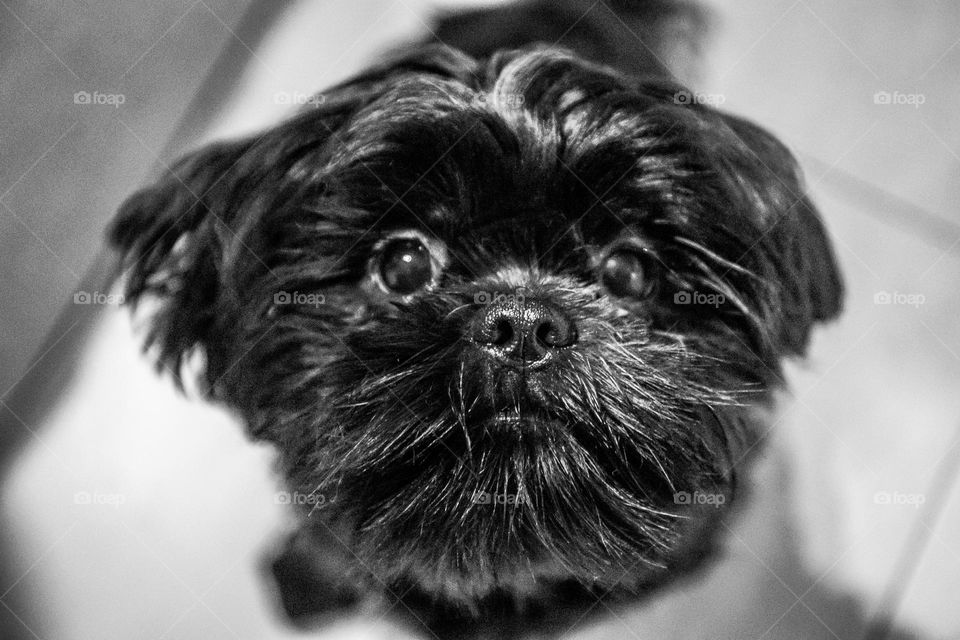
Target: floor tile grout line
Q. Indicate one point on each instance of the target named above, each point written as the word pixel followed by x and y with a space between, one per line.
pixel 920 222
pixel 907 561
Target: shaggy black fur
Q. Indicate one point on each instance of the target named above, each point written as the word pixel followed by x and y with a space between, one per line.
pixel 504 445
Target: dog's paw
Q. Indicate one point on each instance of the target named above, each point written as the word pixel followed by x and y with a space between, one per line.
pixel 310 583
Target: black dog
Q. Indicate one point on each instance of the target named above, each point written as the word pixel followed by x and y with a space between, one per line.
pixel 509 324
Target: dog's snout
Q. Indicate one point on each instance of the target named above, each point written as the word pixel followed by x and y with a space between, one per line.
pixel 525 332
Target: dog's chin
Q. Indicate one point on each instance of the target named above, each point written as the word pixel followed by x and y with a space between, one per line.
pixel 512 424
pixel 510 501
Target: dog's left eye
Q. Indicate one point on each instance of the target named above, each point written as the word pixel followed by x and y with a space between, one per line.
pixel 405 265
pixel 626 273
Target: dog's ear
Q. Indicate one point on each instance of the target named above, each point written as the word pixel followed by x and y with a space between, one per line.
pixel 188 243
pixel 809 285
pixel 183 240
pixel 171 239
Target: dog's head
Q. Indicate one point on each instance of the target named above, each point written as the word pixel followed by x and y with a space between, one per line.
pixel 506 322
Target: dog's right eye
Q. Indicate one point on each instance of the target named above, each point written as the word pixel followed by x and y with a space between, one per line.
pixel 405 265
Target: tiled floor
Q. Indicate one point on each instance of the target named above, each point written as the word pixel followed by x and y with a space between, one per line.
pixel 875 413
pixel 65 166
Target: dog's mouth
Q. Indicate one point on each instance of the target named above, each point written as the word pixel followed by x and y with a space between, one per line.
pixel 520 422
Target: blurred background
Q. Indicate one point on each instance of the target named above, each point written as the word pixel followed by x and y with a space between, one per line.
pixel 125 523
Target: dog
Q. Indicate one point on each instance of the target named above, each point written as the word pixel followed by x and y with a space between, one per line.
pixel 513 325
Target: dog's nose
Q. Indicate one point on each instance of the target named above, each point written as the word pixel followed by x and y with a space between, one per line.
pixel 525 332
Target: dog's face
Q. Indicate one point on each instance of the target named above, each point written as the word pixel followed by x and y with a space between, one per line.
pixel 507 323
